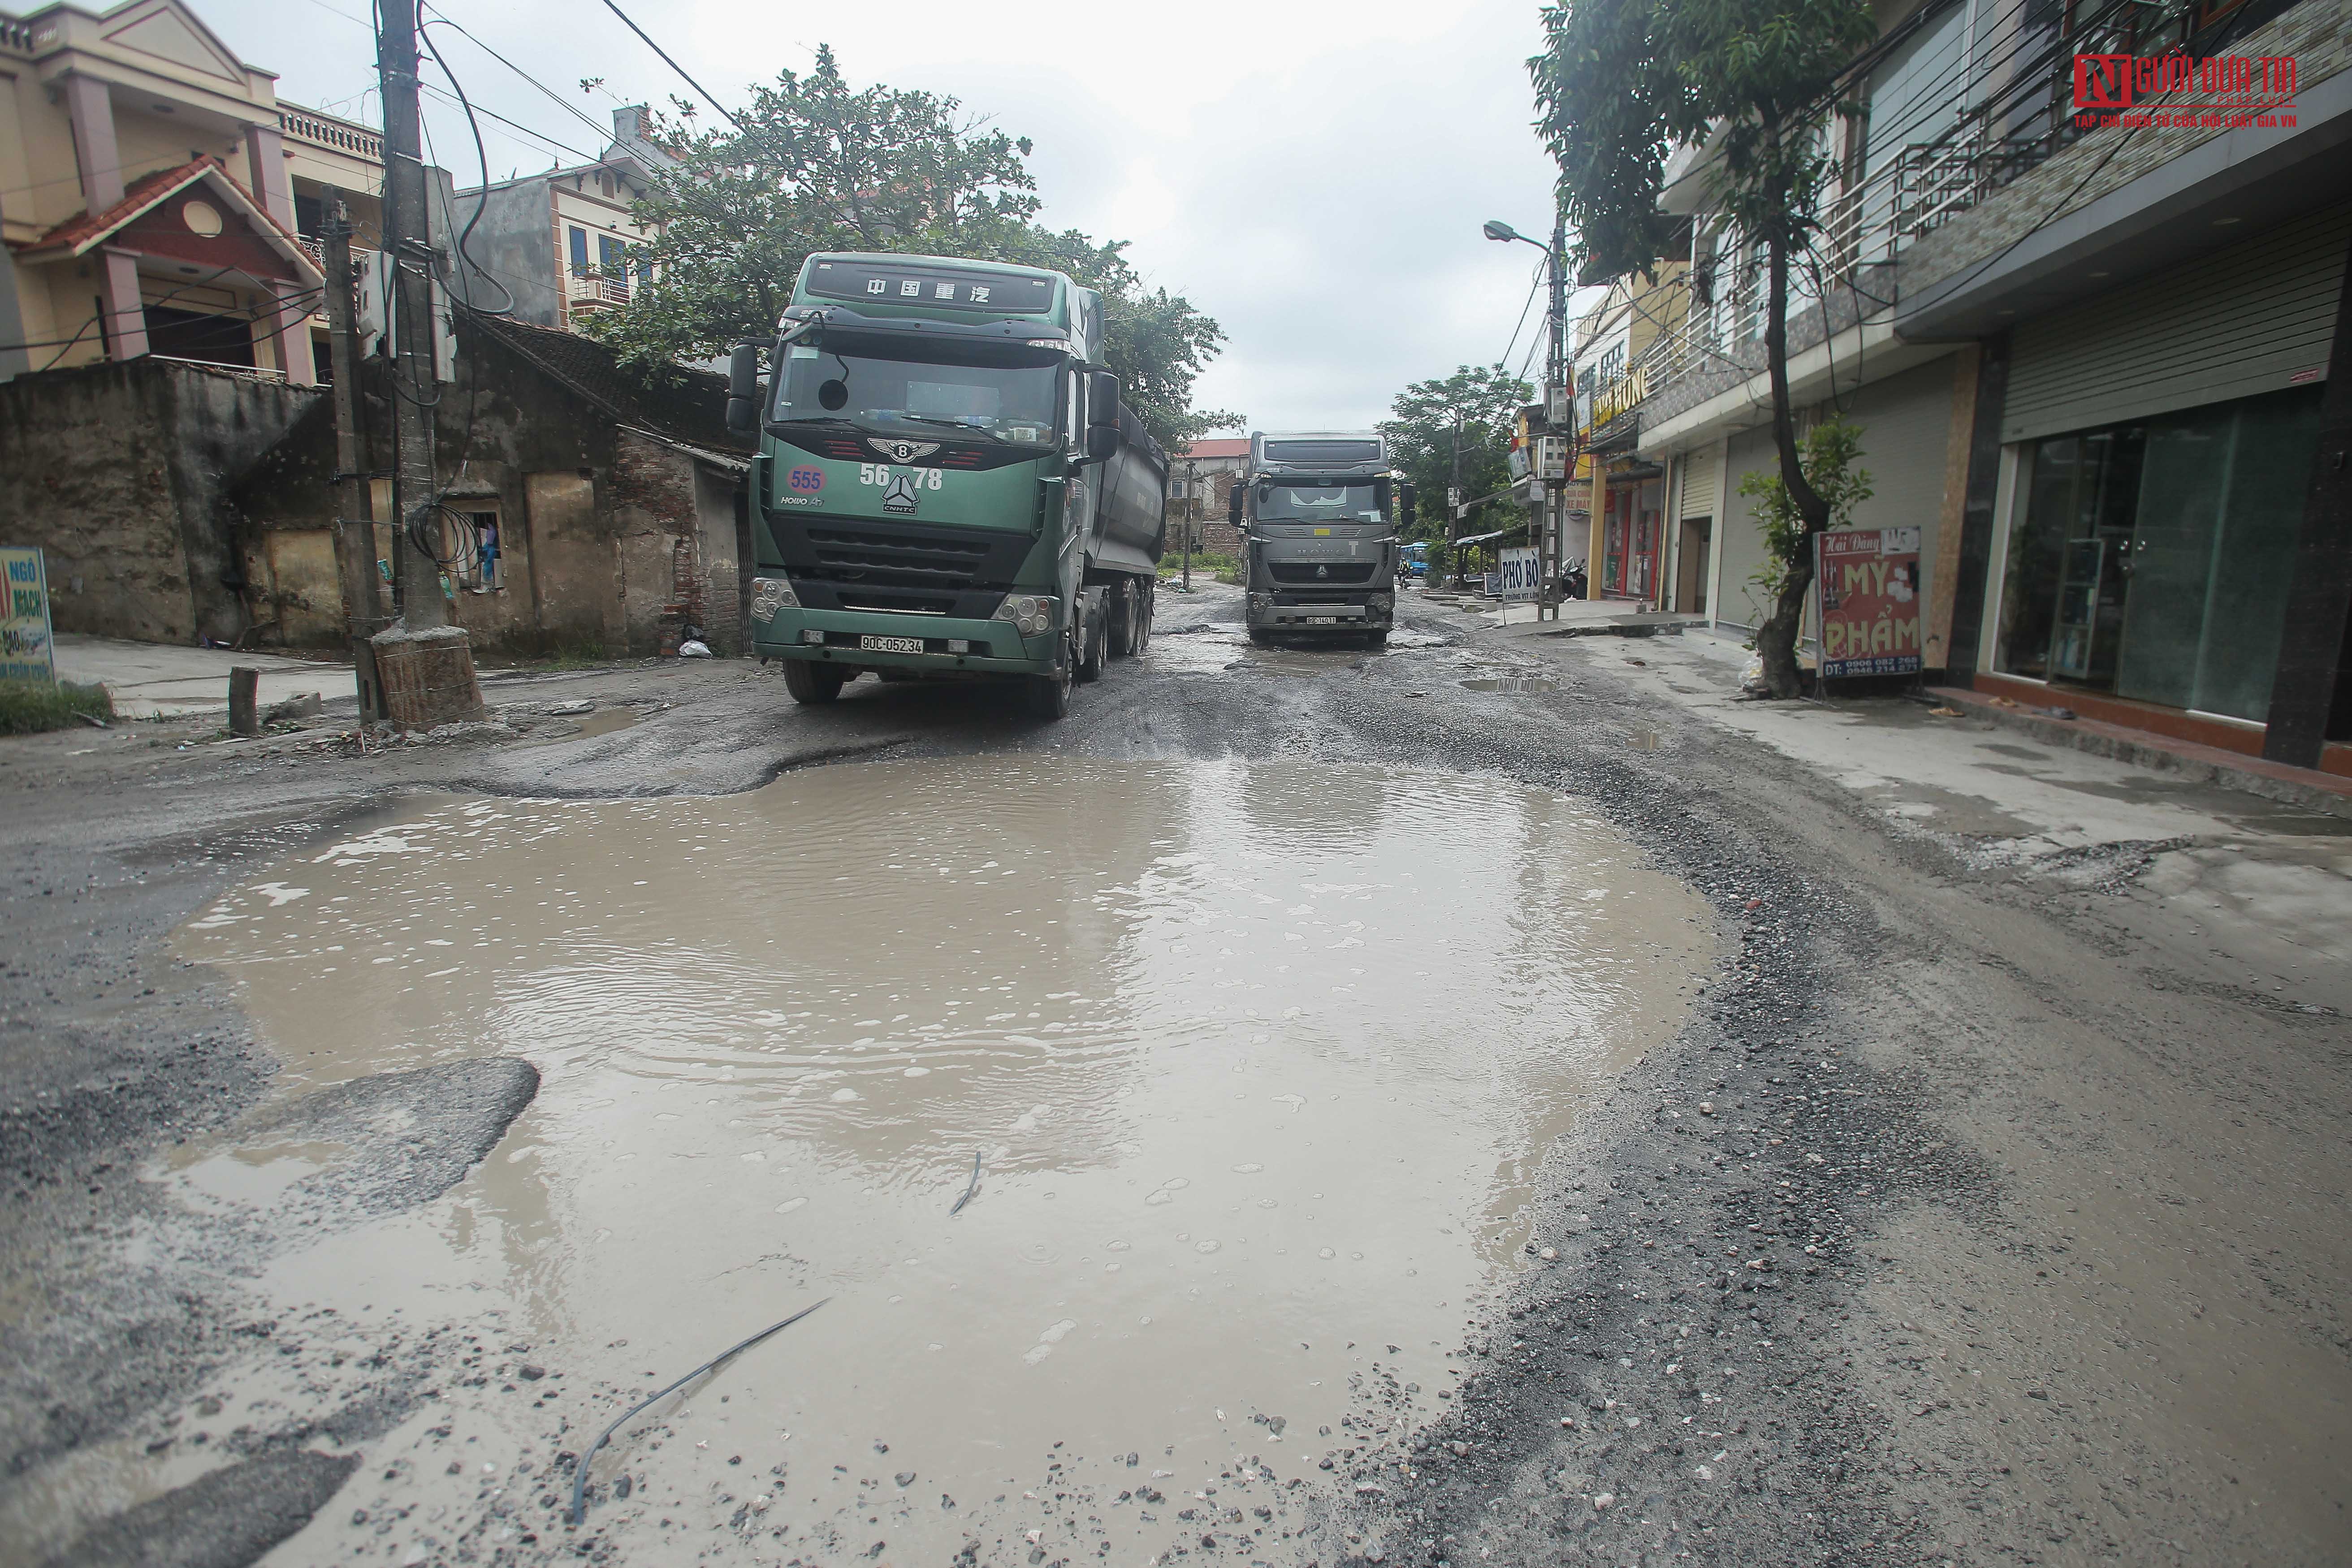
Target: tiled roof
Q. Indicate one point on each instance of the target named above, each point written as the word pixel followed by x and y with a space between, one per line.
pixel 1223 446
pixel 143 193
pixel 85 229
pixel 690 410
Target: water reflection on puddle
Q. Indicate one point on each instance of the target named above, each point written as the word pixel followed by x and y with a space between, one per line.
pixel 1257 1059
pixel 1512 684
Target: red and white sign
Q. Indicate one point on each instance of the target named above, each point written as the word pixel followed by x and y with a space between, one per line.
pixel 1869 584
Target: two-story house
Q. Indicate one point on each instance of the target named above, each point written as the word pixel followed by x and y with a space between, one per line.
pixel 156 196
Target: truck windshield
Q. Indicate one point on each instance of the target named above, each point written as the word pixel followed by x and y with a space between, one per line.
pixel 1003 393
pixel 1317 503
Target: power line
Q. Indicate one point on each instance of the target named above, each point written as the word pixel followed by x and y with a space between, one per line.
pixel 673 64
pixel 1505 357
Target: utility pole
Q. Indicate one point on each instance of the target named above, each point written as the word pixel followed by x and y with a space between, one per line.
pixel 354 527
pixel 1454 505
pixel 427 664
pixel 1562 425
pixel 1192 518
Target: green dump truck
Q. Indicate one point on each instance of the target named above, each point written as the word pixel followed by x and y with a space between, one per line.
pixel 947 485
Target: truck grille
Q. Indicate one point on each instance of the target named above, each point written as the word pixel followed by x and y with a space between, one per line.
pixel 1331 570
pixel 904 556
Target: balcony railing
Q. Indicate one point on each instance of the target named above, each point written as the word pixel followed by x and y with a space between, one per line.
pixel 595 288
pixel 326 130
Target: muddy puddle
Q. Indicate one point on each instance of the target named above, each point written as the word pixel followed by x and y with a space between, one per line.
pixel 1257 1061
pixel 607 721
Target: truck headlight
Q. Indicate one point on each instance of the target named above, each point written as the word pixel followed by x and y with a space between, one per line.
pixel 1261 603
pixel 1032 615
pixel 1384 602
pixel 770 594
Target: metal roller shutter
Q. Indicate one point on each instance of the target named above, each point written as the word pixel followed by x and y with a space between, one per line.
pixel 1700 468
pixel 2252 318
pixel 1907 431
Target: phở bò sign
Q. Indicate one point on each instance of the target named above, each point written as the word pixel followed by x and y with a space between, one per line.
pixel 1869 583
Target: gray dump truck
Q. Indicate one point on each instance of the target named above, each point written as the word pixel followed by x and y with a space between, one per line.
pixel 1319 513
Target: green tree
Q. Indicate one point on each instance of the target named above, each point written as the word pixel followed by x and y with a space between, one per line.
pixel 1829 450
pixel 1483 402
pixel 816 167
pixel 1622 83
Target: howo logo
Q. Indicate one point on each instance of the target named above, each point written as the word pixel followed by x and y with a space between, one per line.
pixel 901 494
pixel 904 451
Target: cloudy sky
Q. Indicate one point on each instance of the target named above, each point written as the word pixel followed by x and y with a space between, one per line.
pixel 1312 174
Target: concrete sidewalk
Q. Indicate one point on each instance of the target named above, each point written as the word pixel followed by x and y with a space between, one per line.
pixel 150 680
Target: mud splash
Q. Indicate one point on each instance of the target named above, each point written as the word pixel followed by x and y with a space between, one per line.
pixel 1258 1061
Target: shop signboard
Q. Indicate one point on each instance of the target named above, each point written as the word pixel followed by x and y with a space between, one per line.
pixel 1868 579
pixel 25 640
pixel 1522 574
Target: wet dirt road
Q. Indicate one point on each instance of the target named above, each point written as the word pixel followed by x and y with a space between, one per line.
pixel 375 1150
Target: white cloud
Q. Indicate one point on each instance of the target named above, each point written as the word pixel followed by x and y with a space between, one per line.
pixel 1313 175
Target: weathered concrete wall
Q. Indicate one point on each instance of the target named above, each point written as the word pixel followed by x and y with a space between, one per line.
pixel 715 502
pixel 571 565
pixel 515 243
pixel 659 531
pixel 286 507
pixel 123 474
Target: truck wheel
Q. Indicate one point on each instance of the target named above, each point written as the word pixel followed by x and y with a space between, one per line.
pixel 1090 666
pixel 1258 638
pixel 1122 620
pixel 1376 640
pixel 811 682
pixel 1048 696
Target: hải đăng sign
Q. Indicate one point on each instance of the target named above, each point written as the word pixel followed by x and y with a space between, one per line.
pixel 1869 584
pixel 25 640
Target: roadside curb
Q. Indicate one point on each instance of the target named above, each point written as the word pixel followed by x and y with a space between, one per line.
pixel 2205 764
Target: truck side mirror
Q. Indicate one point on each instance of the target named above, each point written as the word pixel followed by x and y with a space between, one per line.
pixel 1381 490
pixel 743 389
pixel 1102 415
pixel 1406 497
pixel 1233 506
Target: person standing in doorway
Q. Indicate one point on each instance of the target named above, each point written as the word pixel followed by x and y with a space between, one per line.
pixel 486 544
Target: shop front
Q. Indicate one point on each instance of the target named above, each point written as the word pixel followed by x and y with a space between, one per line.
pixel 1632 533
pixel 2152 559
pixel 2160 444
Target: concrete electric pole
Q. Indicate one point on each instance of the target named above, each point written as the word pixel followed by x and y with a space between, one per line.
pixel 354 526
pixel 425 663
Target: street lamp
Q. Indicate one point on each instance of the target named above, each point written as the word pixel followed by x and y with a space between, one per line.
pixel 1555 369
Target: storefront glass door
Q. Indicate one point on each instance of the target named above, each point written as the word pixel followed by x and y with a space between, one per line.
pixel 2152 560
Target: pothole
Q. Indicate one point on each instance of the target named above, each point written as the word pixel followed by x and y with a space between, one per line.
pixel 1258 1067
pixel 607 721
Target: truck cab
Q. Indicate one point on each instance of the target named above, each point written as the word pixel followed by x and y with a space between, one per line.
pixel 1317 513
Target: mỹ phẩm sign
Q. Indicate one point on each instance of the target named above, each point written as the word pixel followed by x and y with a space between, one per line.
pixel 1869 584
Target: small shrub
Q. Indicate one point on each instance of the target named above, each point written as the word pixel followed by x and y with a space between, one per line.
pixel 28 707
